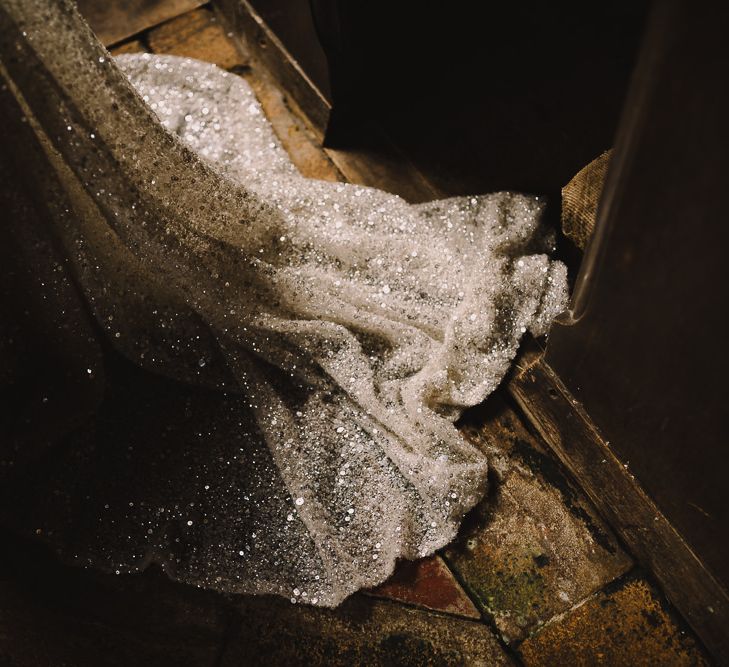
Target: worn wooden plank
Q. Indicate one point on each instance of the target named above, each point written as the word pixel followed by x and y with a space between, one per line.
pixel 116 20
pixel 379 165
pixel 197 34
pixel 375 162
pixel 133 46
pixel 650 537
pixel 295 135
pixel 247 25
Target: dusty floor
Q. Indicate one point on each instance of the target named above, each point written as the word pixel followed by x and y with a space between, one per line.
pixel 535 578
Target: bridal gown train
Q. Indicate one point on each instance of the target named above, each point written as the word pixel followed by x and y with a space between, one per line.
pixel 335 331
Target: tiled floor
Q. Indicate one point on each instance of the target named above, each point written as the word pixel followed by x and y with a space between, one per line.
pixel 535 578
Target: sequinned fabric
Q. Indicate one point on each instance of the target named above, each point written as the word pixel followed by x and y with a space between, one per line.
pixel 333 332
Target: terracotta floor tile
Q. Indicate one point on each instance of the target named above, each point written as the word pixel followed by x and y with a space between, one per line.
pixel 624 626
pixel 534 547
pixel 427 583
pixel 362 631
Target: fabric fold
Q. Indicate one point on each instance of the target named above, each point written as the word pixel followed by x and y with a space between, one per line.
pixel 329 334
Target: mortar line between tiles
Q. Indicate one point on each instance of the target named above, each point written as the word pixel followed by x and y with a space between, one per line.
pixel 425 610
pixel 635 573
pixel 422 608
pixel 487 619
pixel 531 428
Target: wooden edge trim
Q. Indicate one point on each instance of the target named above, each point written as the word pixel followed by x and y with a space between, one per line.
pixel 383 166
pixel 270 51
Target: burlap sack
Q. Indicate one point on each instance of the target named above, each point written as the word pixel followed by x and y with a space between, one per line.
pixel 580 198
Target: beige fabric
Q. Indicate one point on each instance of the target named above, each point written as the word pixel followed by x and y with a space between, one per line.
pixel 580 199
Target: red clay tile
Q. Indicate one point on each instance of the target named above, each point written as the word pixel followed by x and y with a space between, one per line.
pixel 534 547
pixel 427 583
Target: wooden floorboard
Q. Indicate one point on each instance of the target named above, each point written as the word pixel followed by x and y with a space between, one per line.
pixel 115 21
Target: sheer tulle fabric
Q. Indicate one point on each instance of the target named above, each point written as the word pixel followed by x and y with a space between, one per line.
pixel 341 329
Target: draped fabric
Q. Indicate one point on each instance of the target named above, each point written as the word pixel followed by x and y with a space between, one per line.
pixel 294 353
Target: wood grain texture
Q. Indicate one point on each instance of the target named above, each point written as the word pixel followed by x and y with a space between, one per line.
pixel 377 163
pixel 116 20
pixel 196 34
pixel 248 27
